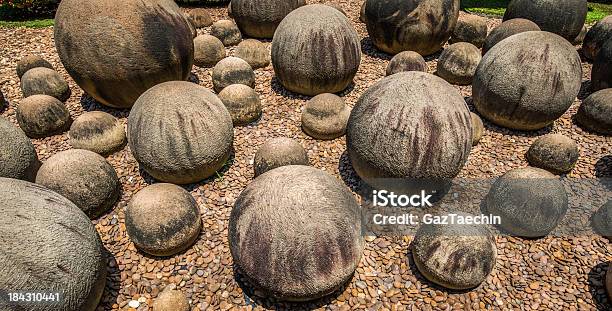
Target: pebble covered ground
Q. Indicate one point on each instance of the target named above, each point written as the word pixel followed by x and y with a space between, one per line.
pixel 546 274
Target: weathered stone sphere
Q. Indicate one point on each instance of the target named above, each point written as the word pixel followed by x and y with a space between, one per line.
pixel 253 52
pixel 564 18
pixel 601 221
pixel 291 246
pixel 421 26
pixel 232 70
pixel 601 75
pixel 595 38
pixel 207 51
pixel 48 243
pixel 530 202
pixel 180 132
pixel 31 62
pixel 527 81
pixel 457 63
pixel 42 116
pixel 278 152
pixel 477 129
pixel 259 18
pixel 227 32
pixel 406 61
pixel 116 50
pixel 315 50
pixel 453 255
pixel 200 18
pixel 555 153
pixel 242 102
pixel 97 131
pixel 176 224
pixel 19 159
pixel 325 117
pixel 171 300
pixel 507 29
pixel 45 81
pixel 595 112
pixel 471 29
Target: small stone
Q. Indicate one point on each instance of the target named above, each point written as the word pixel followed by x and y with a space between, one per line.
pixel 253 52
pixel 457 63
pixel 227 32
pixel 232 70
pixel 534 285
pixel 97 131
pixel 42 116
pixel 279 152
pixel 207 51
pixel 45 81
pixel 477 129
pixel 171 300
pixel 134 304
pixel 471 29
pixel 406 61
pixel 554 152
pixel 242 102
pixel 30 62
pixel 325 117
pixel 200 18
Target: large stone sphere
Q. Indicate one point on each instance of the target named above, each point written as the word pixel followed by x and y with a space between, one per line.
pixel 507 29
pixel 596 37
pixel 31 62
pixel 180 132
pixel 295 233
pixel 242 102
pixel 406 61
pixel 277 152
pixel 315 50
pixel 232 70
pixel 527 81
pixel 115 50
pixel 601 75
pixel 325 117
pixel 44 81
pixel 253 52
pixel 48 244
pixel 97 131
pixel 208 51
pixel 19 159
pixel 595 112
pixel 471 29
pixel 564 18
pixel 42 116
pixel 457 63
pixel 555 153
pixel 422 26
pixel 259 18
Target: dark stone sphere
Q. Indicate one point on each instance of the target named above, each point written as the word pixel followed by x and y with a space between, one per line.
pixel 31 62
pixel 471 29
pixel 555 153
pixel 227 32
pixel 457 63
pixel 97 131
pixel 232 70
pixel 259 18
pixel 44 81
pixel 253 52
pixel 477 129
pixel 601 75
pixel 601 220
pixel 564 18
pixel 19 159
pixel 207 51
pixel 242 102
pixel 406 61
pixel 596 37
pixel 278 152
pixel 595 112
pixel 507 29
pixel 42 116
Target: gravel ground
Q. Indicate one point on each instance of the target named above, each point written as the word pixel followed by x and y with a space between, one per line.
pixel 550 273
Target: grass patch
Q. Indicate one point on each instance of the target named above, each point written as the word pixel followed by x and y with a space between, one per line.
pixel 35 23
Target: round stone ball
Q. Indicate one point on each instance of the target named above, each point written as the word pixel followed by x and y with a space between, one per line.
pixel 83 177
pixel 315 50
pixel 530 202
pixel 601 221
pixel 527 81
pixel 471 29
pixel 45 81
pixel 19 159
pixel 176 224
pixel 31 62
pixel 457 63
pixel 97 131
pixel 260 18
pixel 595 112
pixel 180 132
pixel 200 18
pixel 406 61
pixel 564 18
pixel 454 256
pixel 171 300
pixel 232 70
pixel 555 153
pixel 207 51
pixel 325 117
pixel 477 129
pixel 49 244
pixel 277 152
pixel 242 102
pixel 227 32
pixel 42 115
pixel 295 233
pixel 253 52
pixel 421 26
pixel 595 38
pixel 601 75
pixel 507 29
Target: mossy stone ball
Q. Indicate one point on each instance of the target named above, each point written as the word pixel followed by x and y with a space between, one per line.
pixel 253 52
pixel 242 102
pixel 200 18
pixel 19 159
pixel 506 29
pixel 227 32
pixel 45 81
pixel 596 37
pixel 97 131
pixel 171 300
pixel 295 233
pixel 564 18
pixel 457 63
pixel 601 75
pixel 277 152
pixel 471 29
pixel 325 117
pixel 232 70
pixel 260 18
pixel 208 51
pixel 175 226
pixel 406 61
pixel 30 62
pixel 555 153
pixel 595 112
pixel 601 220
pixel 477 129
pixel 42 115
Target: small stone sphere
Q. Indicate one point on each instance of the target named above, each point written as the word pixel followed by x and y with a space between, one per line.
pixel 260 18
pixel 454 256
pixel 457 63
pixel 406 61
pixel 41 80
pixel 477 129
pixel 507 29
pixel 295 233
pixel 530 202
pixel 253 52
pixel 48 244
pixel 601 221
pixel 471 29
pixel 595 38
pixel 42 116
pixel 31 62
pixel 97 131
pixel 527 81
pixel 564 18
pixel 171 300
pixel 580 38
pixel 176 224
pixel 325 117
pixel 362 15
pixel 242 102
pixel 207 51
pixel 19 159
pixel 555 153
pixel 227 32
pixel 232 70
pixel 595 112
pixel 601 75
pixel 277 152
pixel 83 177
pixel 200 18
pixel 180 132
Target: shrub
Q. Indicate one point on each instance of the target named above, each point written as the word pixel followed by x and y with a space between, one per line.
pixel 23 9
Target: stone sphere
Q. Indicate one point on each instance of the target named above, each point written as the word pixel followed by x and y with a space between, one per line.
pixel 232 70
pixel 596 37
pixel 200 18
pixel 45 81
pixel 242 102
pixel 601 75
pixel 454 256
pixel 31 62
pixel 564 18
pixel 477 129
pixel 555 153
pixel 325 117
pixel 601 221
pixel 507 29
pixel 315 50
pixel 595 112
pixel 421 26
pixel 471 29
pixel 227 32
pixel 19 159
pixel 97 131
pixel 530 202
pixel 180 132
pixel 406 61
pixel 176 224
pixel 42 115
pixel 207 51
pixel 253 52
pixel 83 177
pixel 527 81
pixel 295 233
pixel 171 300
pixel 278 152
pixel 457 63
pixel 116 50
pixel 49 245
pixel 259 18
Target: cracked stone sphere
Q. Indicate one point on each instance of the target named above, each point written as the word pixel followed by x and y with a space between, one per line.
pixel 42 116
pixel 277 152
pixel 260 18
pixel 506 29
pixel 325 117
pixel 31 62
pixel 253 52
pixel 596 37
pixel 19 159
pixel 242 102
pixel 207 51
pixel 227 32
pixel 406 61
pixel 97 131
pixel 555 153
pixel 44 81
pixel 232 70
pixel 471 29
pixel 564 18
pixel 457 63
pixel 595 112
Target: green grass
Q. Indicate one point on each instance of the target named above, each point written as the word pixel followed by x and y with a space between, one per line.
pixel 35 23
